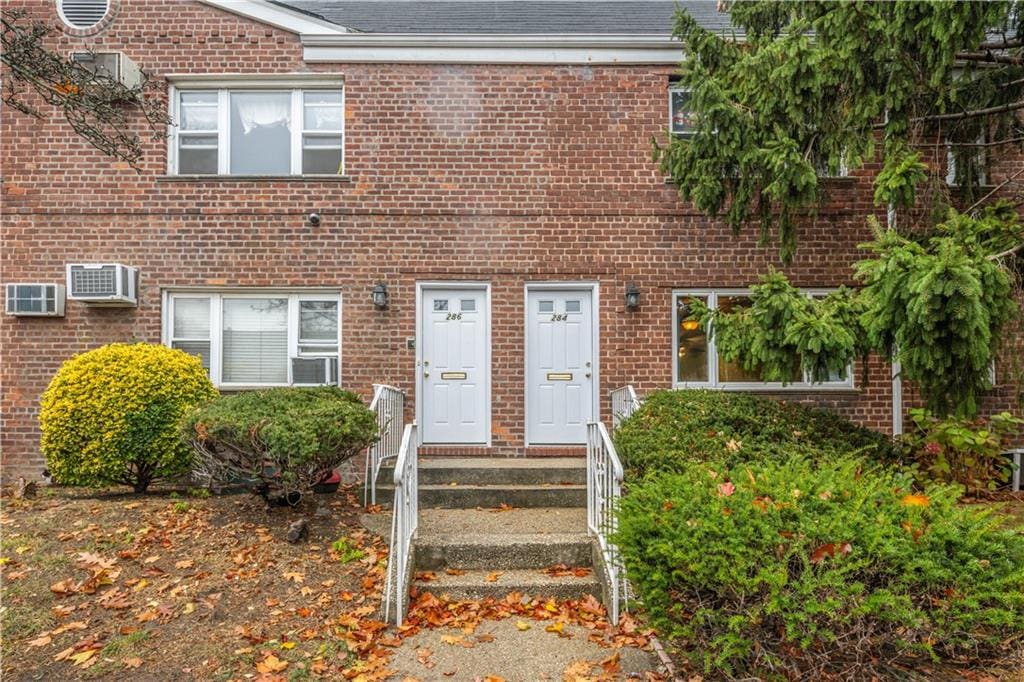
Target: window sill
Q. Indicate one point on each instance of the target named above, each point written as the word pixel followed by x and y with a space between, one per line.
pixel 254 178
pixel 755 388
pixel 232 388
pixel 828 179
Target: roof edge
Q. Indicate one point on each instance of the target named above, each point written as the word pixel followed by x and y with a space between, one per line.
pixel 279 16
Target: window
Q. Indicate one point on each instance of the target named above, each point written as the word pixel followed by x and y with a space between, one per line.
pixel 966 164
pixel 696 362
pixel 258 132
pixel 264 339
pixel 822 169
pixel 681 120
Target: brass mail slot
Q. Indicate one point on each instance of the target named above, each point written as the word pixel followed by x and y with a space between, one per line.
pixel 559 376
pixel 450 376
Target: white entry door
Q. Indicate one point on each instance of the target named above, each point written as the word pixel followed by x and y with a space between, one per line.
pixel 559 365
pixel 453 365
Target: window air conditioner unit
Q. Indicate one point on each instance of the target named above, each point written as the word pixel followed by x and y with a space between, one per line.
pixel 35 300
pixel 113 65
pixel 103 284
pixel 315 371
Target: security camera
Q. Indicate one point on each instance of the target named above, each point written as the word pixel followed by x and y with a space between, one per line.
pixel 314 219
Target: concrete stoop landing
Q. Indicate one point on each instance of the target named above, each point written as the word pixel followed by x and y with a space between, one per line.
pixel 490 526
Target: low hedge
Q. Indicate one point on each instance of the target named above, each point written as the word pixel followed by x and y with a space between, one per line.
pixel 675 428
pixel 278 441
pixel 789 567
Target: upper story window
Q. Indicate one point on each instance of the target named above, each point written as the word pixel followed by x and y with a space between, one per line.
pixel 269 338
pixel 697 364
pixel 681 119
pixel 258 132
pixel 966 164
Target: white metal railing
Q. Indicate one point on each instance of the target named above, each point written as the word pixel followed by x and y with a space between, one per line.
pixel 389 405
pixel 404 520
pixel 604 487
pixel 624 404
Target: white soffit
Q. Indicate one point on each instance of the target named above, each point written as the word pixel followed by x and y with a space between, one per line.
pixel 492 49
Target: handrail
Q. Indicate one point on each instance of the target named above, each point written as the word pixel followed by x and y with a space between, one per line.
pixel 604 488
pixel 388 405
pixel 624 403
pixel 404 521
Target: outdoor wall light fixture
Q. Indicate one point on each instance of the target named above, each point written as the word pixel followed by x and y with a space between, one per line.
pixel 632 297
pixel 380 296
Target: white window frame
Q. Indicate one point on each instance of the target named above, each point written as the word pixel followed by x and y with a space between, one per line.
pixel 711 296
pixel 217 323
pixel 672 89
pixel 224 91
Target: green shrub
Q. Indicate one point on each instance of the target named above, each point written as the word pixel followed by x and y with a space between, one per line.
pixel 793 567
pixel 279 441
pixel 111 415
pixel 675 428
pixel 960 450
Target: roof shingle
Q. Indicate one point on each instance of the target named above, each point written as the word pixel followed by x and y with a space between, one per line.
pixel 621 17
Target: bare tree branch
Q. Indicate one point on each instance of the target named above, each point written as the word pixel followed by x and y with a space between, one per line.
pixel 995 189
pixel 997 143
pixel 99 108
pixel 991 57
pixel 1004 44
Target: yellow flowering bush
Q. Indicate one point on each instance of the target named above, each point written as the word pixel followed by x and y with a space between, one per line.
pixel 111 415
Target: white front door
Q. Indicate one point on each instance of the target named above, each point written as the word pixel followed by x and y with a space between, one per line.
pixel 453 365
pixel 559 365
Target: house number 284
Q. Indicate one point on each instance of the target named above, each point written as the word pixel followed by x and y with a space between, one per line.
pixel 559 318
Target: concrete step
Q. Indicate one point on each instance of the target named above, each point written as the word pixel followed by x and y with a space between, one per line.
pixel 518 521
pixel 503 552
pixel 493 496
pixel 437 470
pixel 530 583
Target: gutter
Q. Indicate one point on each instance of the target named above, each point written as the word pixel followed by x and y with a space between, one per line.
pixel 497 48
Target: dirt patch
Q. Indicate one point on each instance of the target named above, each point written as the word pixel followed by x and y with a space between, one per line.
pixel 174 586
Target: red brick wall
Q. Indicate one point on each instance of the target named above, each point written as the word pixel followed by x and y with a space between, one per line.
pixel 507 174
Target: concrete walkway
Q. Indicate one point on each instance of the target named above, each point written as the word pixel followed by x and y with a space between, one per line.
pixel 500 649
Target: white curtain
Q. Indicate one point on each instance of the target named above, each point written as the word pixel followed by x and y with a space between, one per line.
pixel 262 110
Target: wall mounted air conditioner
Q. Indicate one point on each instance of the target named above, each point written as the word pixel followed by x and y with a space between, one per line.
pixel 315 371
pixel 109 284
pixel 26 299
pixel 114 65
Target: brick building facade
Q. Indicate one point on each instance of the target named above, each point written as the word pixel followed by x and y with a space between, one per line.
pixel 497 175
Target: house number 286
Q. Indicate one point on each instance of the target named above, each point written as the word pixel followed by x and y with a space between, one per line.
pixel 454 316
pixel 559 318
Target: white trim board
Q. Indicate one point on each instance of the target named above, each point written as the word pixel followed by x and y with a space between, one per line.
pixel 277 16
pixel 418 368
pixel 395 48
pixel 595 311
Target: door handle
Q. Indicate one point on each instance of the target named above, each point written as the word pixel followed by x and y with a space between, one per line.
pixel 587 375
pixel 426 374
